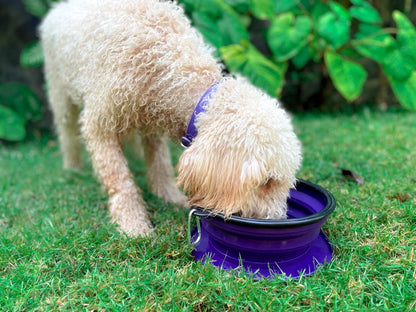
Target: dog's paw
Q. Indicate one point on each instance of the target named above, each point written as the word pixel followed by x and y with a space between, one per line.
pixel 172 195
pixel 176 197
pixel 135 230
pixel 129 213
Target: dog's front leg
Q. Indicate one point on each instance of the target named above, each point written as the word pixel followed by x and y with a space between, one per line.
pixel 160 173
pixel 126 205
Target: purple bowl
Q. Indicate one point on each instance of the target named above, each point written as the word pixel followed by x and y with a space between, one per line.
pixel 263 247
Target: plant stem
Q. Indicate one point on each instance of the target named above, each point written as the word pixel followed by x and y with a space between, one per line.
pixel 407 7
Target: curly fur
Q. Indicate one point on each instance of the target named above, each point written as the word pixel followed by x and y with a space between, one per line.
pixel 139 65
pixel 245 156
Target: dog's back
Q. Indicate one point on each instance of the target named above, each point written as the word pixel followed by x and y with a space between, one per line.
pixel 132 50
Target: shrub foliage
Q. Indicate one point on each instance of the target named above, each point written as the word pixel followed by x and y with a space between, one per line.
pixel 304 31
pixel 18 106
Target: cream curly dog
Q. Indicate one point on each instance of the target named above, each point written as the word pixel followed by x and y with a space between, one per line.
pixel 117 66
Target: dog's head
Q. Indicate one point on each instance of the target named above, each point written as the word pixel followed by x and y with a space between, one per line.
pixel 245 156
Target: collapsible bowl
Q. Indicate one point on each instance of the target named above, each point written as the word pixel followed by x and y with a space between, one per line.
pixel 264 248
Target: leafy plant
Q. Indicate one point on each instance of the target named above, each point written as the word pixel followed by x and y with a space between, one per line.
pixel 300 32
pixel 18 106
pixel 32 55
pixel 303 31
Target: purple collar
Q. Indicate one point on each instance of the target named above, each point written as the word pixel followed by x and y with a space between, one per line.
pixel 192 131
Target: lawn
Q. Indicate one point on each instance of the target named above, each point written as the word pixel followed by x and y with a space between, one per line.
pixel 59 252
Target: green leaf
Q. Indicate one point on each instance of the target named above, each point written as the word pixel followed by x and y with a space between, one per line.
pixel 340 11
pixel 232 29
pixel 36 7
pixel 406 37
pixel 334 31
pixel 262 9
pixel 22 100
pixel 241 6
pixel 32 55
pixel 373 42
pixel 287 35
pixel 234 56
pixel 251 63
pixel 347 76
pixel 405 90
pixel 303 57
pixel 188 5
pixel 12 126
pixel 318 46
pixel 281 6
pixel 218 23
pixel 318 10
pixel 364 12
pixel 208 28
pixel 400 59
pixel 334 26
pixel 264 73
pixel 395 65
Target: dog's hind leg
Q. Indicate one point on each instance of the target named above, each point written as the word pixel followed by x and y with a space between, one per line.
pixel 160 173
pixel 66 122
pixel 126 205
pixel 134 139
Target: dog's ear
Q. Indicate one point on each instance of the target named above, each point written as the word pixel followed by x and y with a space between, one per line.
pixel 221 181
pixel 253 172
pixel 212 180
pixel 187 176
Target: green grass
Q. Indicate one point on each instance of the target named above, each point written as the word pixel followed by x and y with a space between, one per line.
pixel 59 252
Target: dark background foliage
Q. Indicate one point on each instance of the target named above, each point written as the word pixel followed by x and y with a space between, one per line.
pixel 18 29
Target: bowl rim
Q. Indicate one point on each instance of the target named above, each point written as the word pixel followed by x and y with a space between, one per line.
pixel 278 223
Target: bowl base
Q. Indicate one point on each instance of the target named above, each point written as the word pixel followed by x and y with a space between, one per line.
pixel 318 253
